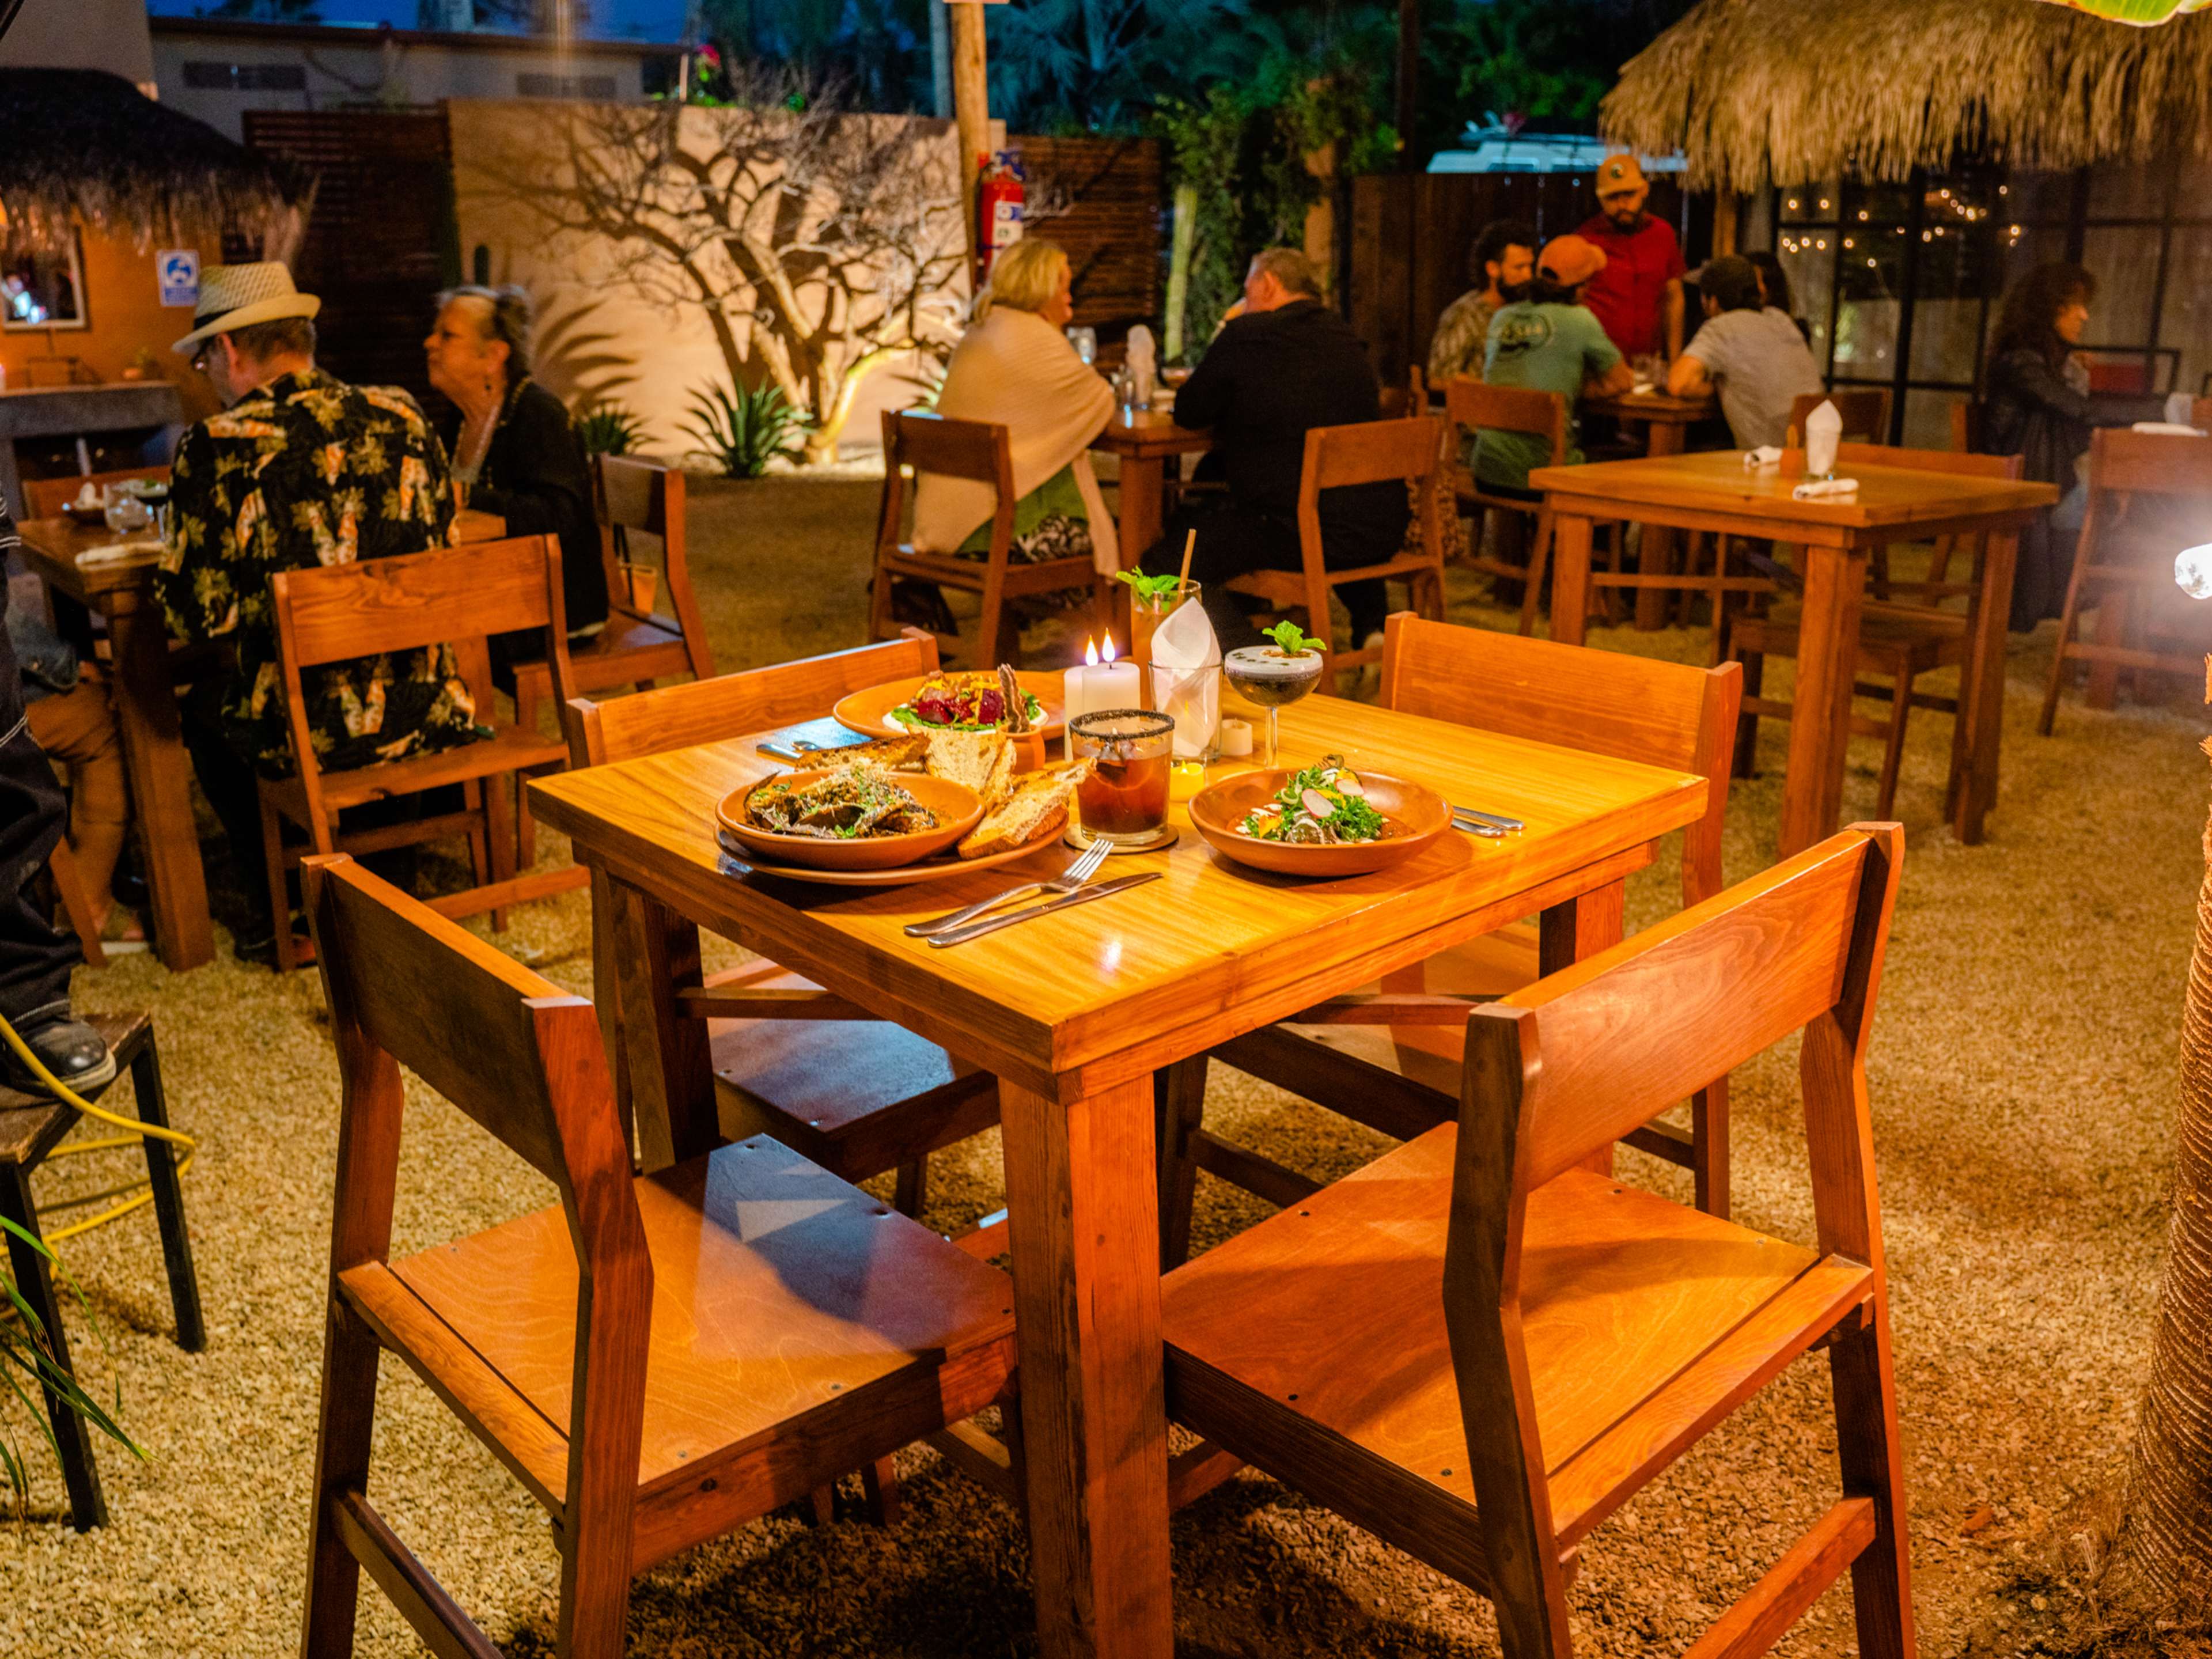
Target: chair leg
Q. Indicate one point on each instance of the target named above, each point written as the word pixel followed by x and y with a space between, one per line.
pixel 2069 616
pixel 1179 1111
pixel 1939 568
pixel 280 903
pixel 1878 571
pixel 911 1195
pixel 168 1197
pixel 2112 613
pixel 1709 1147
pixel 34 1284
pixel 1746 724
pixel 1893 757
pixel 499 836
pixel 1873 1466
pixel 341 1443
pixel 990 650
pixel 1539 562
pixel 879 1484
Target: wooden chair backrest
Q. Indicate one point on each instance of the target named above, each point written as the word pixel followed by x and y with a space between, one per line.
pixel 1607 703
pixel 45 498
pixel 1371 452
pixel 916 441
pixel 1475 405
pixel 1965 425
pixel 1865 411
pixel 641 497
pixel 704 711
pixel 1959 464
pixel 524 1060
pixel 641 494
pixel 2127 463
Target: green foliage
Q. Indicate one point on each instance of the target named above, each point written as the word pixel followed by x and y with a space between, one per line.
pixel 609 428
pixel 1099 65
pixel 24 1349
pixel 1149 591
pixel 743 431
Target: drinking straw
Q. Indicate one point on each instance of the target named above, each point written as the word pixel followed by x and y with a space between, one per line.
pixel 1189 545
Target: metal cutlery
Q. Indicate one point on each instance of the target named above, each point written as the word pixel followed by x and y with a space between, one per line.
pixel 1085 867
pixel 1491 818
pixel 1081 896
pixel 1488 831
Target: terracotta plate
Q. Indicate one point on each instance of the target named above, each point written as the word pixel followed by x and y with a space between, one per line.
pixel 957 807
pixel 869 711
pixel 932 869
pixel 1420 816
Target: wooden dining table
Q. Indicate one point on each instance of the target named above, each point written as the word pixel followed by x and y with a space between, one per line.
pixel 1667 420
pixel 1145 443
pixel 1075 1012
pixel 120 591
pixel 1717 492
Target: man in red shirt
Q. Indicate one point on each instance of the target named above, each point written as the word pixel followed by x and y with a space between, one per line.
pixel 1638 297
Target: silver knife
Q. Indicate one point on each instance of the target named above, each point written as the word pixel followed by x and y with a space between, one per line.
pixel 1489 818
pixel 1083 895
pixel 1489 831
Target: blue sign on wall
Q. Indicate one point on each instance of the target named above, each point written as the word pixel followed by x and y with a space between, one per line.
pixel 178 271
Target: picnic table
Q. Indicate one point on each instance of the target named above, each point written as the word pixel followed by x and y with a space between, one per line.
pixel 1075 1013
pixel 1717 492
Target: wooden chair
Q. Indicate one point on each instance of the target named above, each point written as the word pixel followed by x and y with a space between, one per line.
pixel 1336 1055
pixel 31 1127
pixel 75 903
pixel 855 1094
pixel 457 596
pixel 1965 440
pixel 1470 405
pixel 2149 496
pixel 917 441
pixel 658 1359
pixel 45 498
pixel 638 645
pixel 1479 1350
pixel 1371 452
pixel 1899 642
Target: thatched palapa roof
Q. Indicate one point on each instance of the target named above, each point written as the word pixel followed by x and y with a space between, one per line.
pixel 81 146
pixel 1790 91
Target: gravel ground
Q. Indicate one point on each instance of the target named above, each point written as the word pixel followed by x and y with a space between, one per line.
pixel 2022 1086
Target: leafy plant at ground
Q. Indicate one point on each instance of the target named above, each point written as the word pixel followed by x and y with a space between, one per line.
pixel 609 428
pixel 27 1366
pixel 743 431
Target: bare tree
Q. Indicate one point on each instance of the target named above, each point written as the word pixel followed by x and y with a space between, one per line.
pixel 818 243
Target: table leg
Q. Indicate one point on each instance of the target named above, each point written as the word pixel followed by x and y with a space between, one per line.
pixel 1663 547
pixel 1571 570
pixel 1081 1203
pixel 671 1075
pixel 1821 712
pixel 1143 490
pixel 1978 731
pixel 1581 927
pixel 161 780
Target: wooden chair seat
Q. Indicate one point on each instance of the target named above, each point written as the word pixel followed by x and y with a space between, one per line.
pixel 628 650
pixel 783 1297
pixel 1929 639
pixel 1638 1315
pixel 30 1126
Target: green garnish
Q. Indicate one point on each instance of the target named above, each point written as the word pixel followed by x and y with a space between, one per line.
pixel 1154 591
pixel 907 717
pixel 1292 640
pixel 1323 805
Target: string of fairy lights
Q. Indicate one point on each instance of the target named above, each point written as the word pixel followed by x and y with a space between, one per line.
pixel 1956 211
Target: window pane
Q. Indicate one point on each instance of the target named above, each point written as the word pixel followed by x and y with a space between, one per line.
pixel 2120 190
pixel 2029 197
pixel 2034 245
pixel 2186 320
pixel 1812 279
pixel 1803 204
pixel 2124 262
pixel 1958 267
pixel 1871 276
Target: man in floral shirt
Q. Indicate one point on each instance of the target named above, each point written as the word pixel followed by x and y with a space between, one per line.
pixel 300 470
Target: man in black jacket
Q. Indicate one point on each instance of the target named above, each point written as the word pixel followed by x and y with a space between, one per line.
pixel 1285 365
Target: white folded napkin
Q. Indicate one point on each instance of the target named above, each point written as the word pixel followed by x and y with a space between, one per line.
pixel 1765 455
pixel 1187 678
pixel 1814 489
pixel 2170 429
pixel 116 552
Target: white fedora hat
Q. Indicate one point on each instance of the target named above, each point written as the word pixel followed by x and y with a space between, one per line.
pixel 237 296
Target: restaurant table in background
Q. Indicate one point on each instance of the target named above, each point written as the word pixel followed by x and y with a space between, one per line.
pixel 471 526
pixel 1074 1012
pixel 1717 492
pixel 1144 443
pixel 1666 421
pixel 145 692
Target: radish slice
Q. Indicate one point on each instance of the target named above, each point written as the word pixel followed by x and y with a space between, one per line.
pixel 1348 783
pixel 1319 806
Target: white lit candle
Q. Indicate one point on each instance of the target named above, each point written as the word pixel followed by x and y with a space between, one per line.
pixel 1073 683
pixel 1113 685
pixel 2192 572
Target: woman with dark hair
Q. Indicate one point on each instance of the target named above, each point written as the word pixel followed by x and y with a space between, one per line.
pixel 2036 405
pixel 1774 290
pixel 514 455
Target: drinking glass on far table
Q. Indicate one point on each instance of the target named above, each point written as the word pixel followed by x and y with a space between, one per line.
pixel 1125 797
pixel 125 511
pixel 1273 678
pixel 1085 342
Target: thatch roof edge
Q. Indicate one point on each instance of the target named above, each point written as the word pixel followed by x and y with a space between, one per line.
pixel 1752 91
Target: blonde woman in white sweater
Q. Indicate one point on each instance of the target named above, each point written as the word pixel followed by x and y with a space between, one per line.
pixel 1015 366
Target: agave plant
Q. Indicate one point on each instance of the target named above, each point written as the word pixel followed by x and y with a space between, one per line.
pixel 743 431
pixel 609 428
pixel 25 1349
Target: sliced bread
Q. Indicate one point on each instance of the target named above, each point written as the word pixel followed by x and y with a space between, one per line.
pixel 892 753
pixel 984 761
pixel 1036 807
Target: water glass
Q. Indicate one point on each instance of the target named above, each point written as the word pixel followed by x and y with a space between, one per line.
pixel 1085 342
pixel 1125 797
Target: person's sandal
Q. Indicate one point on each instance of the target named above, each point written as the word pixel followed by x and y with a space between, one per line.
pixel 121 934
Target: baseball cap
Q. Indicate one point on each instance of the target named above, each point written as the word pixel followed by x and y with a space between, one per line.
pixel 1570 261
pixel 1619 174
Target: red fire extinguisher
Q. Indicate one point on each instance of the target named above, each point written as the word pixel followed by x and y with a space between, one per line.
pixel 998 196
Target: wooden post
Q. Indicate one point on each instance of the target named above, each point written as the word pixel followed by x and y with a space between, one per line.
pixel 1725 208
pixel 971 105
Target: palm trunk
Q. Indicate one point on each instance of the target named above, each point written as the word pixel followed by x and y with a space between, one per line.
pixel 2163 1552
pixel 1179 251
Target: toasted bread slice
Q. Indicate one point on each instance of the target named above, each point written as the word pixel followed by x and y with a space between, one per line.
pixel 1036 807
pixel 984 761
pixel 893 754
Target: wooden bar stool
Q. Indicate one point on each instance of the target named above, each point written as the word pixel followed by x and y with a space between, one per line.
pixel 1479 1350
pixel 31 1127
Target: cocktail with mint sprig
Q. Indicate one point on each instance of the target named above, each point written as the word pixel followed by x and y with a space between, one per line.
pixel 1275 676
pixel 1152 599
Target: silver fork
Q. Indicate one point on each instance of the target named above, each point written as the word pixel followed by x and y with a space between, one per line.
pixel 1085 866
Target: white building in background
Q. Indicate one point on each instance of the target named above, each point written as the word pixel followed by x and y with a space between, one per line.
pixel 218 69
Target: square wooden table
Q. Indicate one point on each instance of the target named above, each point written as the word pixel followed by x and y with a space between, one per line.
pixel 1717 492
pixel 1666 421
pixel 1074 1012
pixel 1145 443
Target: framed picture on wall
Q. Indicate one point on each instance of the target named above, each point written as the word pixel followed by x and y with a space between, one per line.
pixel 43 290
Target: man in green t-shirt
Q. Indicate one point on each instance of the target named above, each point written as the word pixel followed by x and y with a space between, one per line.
pixel 1546 341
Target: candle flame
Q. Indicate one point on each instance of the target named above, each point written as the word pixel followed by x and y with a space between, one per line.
pixel 1091 651
pixel 1110 647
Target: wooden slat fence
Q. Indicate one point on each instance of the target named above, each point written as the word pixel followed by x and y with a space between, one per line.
pixel 1102 200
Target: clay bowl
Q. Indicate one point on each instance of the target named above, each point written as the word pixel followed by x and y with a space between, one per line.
pixel 957 807
pixel 1418 816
